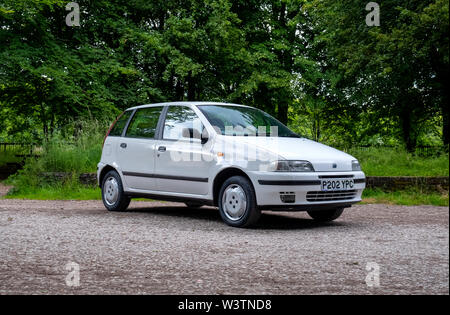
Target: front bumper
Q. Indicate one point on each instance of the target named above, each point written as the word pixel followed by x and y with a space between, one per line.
pixel 306 189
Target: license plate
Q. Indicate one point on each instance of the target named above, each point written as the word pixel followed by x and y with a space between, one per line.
pixel 337 184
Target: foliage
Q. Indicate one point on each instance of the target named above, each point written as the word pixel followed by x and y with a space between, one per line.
pixel 74 149
pixel 398 162
pixel 9 156
pixel 395 74
pixel 312 63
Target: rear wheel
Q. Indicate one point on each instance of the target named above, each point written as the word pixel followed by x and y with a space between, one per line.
pixel 113 195
pixel 237 202
pixel 326 215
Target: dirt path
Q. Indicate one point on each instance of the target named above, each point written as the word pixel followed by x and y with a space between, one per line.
pixel 169 249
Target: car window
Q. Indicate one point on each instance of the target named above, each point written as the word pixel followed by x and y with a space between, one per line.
pixel 244 121
pixel 120 124
pixel 179 118
pixel 144 123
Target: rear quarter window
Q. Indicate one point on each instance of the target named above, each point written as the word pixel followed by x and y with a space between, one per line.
pixel 144 123
pixel 120 124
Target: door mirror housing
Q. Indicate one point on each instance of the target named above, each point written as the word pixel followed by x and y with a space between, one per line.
pixel 204 137
pixel 192 133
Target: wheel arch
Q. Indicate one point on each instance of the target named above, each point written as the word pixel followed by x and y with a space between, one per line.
pixel 222 176
pixel 104 171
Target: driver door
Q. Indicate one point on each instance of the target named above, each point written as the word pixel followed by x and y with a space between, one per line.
pixel 181 164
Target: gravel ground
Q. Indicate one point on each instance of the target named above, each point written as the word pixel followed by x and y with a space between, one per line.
pixel 166 248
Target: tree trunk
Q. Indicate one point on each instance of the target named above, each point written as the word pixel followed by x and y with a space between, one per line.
pixel 318 128
pixel 52 124
pixel 191 88
pixel 444 108
pixel 282 114
pixel 406 125
pixel 442 82
pixel 179 91
pixel 285 58
pixel 44 122
pixel 445 136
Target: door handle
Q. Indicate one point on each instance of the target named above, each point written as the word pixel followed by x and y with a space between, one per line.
pixel 162 149
pixel 123 145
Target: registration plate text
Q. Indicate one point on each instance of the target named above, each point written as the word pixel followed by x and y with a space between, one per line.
pixel 337 184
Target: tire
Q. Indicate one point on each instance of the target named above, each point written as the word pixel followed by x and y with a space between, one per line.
pixel 193 205
pixel 326 215
pixel 237 202
pixel 113 195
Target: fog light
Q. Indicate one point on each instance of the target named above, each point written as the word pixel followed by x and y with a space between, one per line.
pixel 287 197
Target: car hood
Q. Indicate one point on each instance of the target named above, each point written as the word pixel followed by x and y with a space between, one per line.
pixel 322 157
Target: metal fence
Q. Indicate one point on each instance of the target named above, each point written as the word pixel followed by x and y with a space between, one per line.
pixel 19 149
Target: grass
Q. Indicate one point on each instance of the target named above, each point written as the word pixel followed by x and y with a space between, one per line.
pixel 410 197
pixel 75 150
pixel 77 153
pixel 72 190
pixel 68 191
pixel 398 162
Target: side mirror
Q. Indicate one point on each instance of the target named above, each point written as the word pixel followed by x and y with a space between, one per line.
pixel 187 133
pixel 204 136
pixel 192 133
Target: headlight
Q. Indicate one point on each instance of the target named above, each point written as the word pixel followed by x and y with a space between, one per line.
pixel 356 166
pixel 291 166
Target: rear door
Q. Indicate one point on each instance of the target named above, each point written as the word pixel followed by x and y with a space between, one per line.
pixel 109 147
pixel 136 148
pixel 182 166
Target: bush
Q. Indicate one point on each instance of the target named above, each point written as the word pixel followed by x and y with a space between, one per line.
pixel 379 161
pixel 9 155
pixel 75 149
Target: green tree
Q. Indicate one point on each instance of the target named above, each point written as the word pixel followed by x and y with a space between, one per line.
pixel 277 37
pixel 397 70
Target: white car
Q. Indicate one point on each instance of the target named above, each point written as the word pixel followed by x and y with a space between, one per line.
pixel 236 157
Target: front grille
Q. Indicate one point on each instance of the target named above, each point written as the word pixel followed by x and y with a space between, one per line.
pixel 314 196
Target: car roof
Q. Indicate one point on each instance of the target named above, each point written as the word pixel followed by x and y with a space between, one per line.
pixel 189 104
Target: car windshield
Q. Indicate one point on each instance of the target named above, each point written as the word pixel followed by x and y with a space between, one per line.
pixel 244 121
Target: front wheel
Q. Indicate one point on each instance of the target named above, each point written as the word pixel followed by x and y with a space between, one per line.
pixel 326 215
pixel 113 195
pixel 237 202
